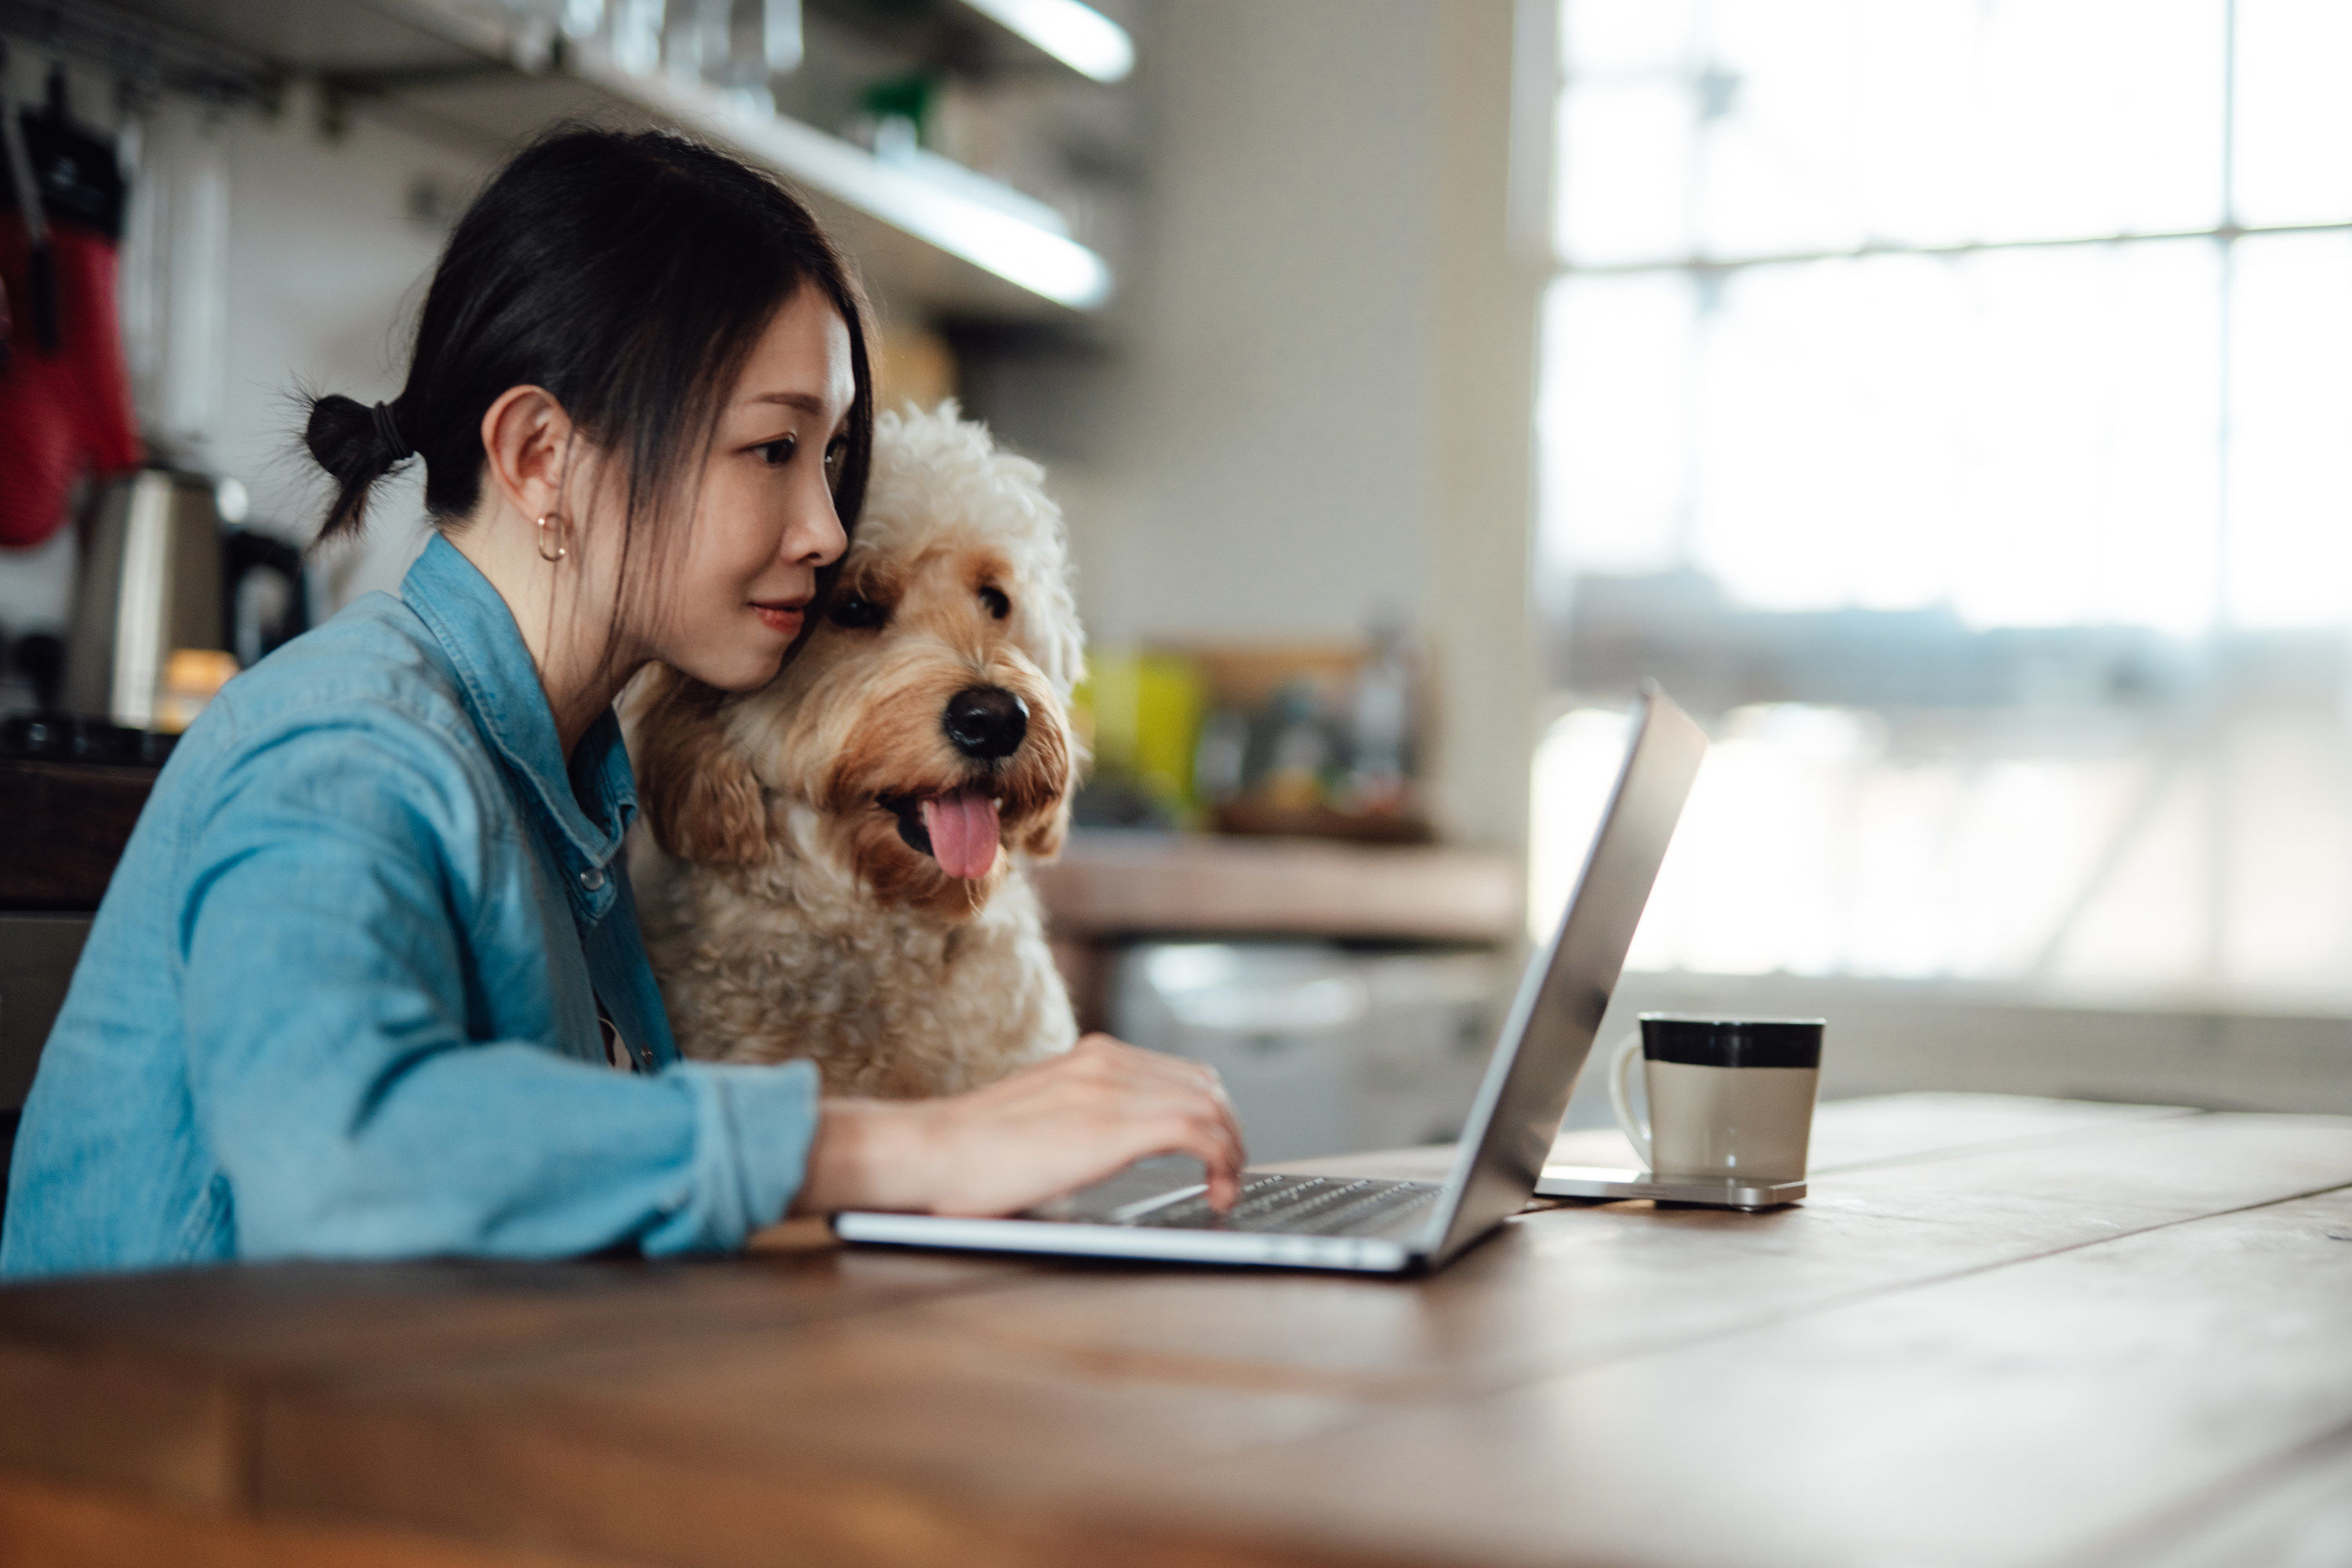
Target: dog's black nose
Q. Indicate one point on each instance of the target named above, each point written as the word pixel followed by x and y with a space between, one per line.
pixel 986 721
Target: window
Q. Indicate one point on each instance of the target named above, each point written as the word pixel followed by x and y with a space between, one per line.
pixel 1951 401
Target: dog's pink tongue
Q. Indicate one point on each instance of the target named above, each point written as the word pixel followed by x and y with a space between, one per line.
pixel 963 833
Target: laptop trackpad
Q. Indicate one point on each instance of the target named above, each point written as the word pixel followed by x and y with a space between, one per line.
pixel 1139 1187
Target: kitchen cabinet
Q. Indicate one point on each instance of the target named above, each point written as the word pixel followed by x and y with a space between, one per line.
pixel 64 826
pixel 932 235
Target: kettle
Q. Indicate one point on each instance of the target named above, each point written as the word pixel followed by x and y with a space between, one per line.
pixel 171 602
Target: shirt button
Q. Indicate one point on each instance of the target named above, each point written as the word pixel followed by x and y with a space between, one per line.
pixel 593 878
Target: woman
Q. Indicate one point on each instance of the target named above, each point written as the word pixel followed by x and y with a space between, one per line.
pixel 368 981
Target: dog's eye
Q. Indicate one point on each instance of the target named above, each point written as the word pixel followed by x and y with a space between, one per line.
pixel 998 604
pixel 855 611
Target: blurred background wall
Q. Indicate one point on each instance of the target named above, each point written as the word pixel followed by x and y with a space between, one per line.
pixel 1324 415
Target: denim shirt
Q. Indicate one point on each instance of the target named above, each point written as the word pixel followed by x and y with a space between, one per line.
pixel 341 999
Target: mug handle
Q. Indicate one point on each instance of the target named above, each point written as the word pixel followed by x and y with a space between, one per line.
pixel 1629 1051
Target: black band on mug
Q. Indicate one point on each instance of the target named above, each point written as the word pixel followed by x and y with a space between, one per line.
pixel 1732 1042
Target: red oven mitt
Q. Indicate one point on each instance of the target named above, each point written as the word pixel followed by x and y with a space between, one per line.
pixel 65 395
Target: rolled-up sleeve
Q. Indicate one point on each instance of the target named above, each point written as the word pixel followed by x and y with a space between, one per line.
pixel 323 941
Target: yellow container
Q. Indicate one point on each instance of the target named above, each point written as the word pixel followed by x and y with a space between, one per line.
pixel 1144 711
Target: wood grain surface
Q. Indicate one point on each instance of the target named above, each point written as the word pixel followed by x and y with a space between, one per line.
pixel 43 1524
pixel 1999 1332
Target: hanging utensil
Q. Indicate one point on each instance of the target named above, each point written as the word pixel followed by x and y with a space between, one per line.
pixel 48 329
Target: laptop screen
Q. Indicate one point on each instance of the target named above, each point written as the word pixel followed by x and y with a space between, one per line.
pixel 1564 993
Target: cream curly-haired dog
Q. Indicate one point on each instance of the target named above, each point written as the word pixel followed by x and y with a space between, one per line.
pixel 837 866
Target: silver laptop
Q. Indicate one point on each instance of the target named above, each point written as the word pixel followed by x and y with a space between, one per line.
pixel 1369 1224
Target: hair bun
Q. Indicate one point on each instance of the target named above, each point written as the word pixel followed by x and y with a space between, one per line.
pixel 352 444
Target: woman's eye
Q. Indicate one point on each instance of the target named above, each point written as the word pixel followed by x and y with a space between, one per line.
pixel 779 452
pixel 836 454
pixel 855 611
pixel 998 604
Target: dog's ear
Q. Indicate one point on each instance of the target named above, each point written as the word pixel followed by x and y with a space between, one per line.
pixel 699 796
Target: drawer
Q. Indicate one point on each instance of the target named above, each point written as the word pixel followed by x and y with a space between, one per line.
pixel 37 953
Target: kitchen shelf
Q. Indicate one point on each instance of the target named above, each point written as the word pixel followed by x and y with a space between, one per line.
pixel 1113 887
pixel 1110 886
pixel 487 75
pixel 1027 255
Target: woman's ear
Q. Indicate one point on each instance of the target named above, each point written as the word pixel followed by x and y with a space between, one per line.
pixel 699 796
pixel 526 438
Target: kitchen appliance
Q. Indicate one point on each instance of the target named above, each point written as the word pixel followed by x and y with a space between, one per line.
pixel 150 582
pixel 162 576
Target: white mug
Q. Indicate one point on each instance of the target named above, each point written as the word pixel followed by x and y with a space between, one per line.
pixel 1729 1097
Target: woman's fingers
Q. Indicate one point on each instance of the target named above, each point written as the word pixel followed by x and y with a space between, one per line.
pixel 1088 1114
pixel 1204 1125
pixel 1207 1142
pixel 1195 1077
pixel 1219 1150
pixel 1045 1130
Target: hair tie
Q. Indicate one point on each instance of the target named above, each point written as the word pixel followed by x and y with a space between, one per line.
pixel 388 430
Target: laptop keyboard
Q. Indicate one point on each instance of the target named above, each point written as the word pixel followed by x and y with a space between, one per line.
pixel 1303 1206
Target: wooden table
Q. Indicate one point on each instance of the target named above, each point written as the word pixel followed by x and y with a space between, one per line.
pixel 2001 1332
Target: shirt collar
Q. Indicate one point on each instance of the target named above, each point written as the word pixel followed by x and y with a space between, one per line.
pixel 478 633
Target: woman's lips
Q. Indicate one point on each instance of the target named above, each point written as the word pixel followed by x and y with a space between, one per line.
pixel 783 619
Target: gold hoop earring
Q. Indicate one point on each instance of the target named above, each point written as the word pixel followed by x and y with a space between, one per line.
pixel 563 537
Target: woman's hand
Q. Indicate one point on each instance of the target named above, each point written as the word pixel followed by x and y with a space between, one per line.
pixel 1048 1127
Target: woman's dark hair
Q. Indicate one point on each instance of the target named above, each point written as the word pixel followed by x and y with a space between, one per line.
pixel 629 274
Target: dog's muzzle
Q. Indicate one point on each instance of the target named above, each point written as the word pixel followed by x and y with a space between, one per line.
pixel 959 830
pixel 908 810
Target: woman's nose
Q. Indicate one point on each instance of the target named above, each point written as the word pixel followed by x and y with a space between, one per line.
pixel 819 539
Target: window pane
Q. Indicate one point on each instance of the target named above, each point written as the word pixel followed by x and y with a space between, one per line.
pixel 1816 842
pixel 2100 116
pixel 1915 144
pixel 2028 436
pixel 2089 494
pixel 1827 423
pixel 1776 96
pixel 1624 163
pixel 1612 37
pixel 1818 125
pixel 2291 430
pixel 2294 111
pixel 1827 840
pixel 2015 582
pixel 1966 867
pixel 1614 420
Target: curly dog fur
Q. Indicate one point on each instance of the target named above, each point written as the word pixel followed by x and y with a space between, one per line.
pixel 794 904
